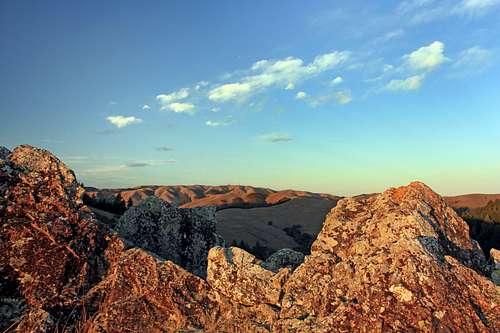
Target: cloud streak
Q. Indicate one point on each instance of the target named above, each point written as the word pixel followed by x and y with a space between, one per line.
pixel 276 137
pixel 121 121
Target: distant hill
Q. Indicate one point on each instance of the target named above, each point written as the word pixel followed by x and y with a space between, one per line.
pixel 475 200
pixel 187 196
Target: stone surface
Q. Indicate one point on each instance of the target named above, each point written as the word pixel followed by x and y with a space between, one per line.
pixel 495 266
pixel 182 235
pixel 398 261
pixel 50 244
pixel 240 276
pixel 4 153
pixel 283 258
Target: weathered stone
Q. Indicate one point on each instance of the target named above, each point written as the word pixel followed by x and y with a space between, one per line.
pixel 495 266
pixel 182 235
pixel 4 153
pixel 36 321
pixel 398 261
pixel 11 311
pixel 283 258
pixel 48 240
pixel 240 276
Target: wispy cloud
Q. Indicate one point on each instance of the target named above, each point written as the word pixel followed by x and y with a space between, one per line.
pixel 276 137
pixel 411 83
pixel 145 107
pixel 424 11
pixel 121 121
pixel 137 165
pixel 164 149
pixel 389 36
pixel 343 97
pixel 218 123
pixel 173 96
pixel 180 107
pixel 473 60
pixel 340 97
pixel 476 7
pixel 283 73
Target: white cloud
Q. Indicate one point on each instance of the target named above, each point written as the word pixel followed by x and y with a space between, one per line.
pixel 276 137
pixel 411 83
pixel 426 58
pixel 301 95
pixel 290 86
pixel 229 91
pixel 145 107
pixel 166 99
pixel 218 123
pixel 473 60
pixel 215 109
pixel 394 34
pixel 201 84
pixel 337 80
pixel 121 121
pixel 343 97
pixel 180 107
pixel 328 61
pixel 284 72
pixel 476 7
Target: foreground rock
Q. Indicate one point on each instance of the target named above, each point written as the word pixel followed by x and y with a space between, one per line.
pixel 398 261
pixel 182 235
pixel 50 244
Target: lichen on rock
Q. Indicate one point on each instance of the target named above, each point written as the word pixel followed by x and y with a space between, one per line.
pixel 182 235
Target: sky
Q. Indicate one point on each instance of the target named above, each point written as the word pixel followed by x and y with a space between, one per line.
pixel 342 97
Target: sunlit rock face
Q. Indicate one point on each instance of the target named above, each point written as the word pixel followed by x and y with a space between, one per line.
pixel 398 261
pixel 50 244
pixel 182 235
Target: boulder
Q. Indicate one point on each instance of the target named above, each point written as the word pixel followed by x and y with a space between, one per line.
pixel 283 258
pixel 182 235
pixel 398 261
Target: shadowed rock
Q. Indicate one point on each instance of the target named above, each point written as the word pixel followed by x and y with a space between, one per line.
pixel 495 265
pixel 4 153
pixel 283 258
pixel 182 235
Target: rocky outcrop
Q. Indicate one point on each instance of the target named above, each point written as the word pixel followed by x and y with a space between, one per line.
pixel 398 261
pixel 49 241
pixel 182 235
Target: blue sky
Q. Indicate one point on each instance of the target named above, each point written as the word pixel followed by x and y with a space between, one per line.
pixel 344 97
